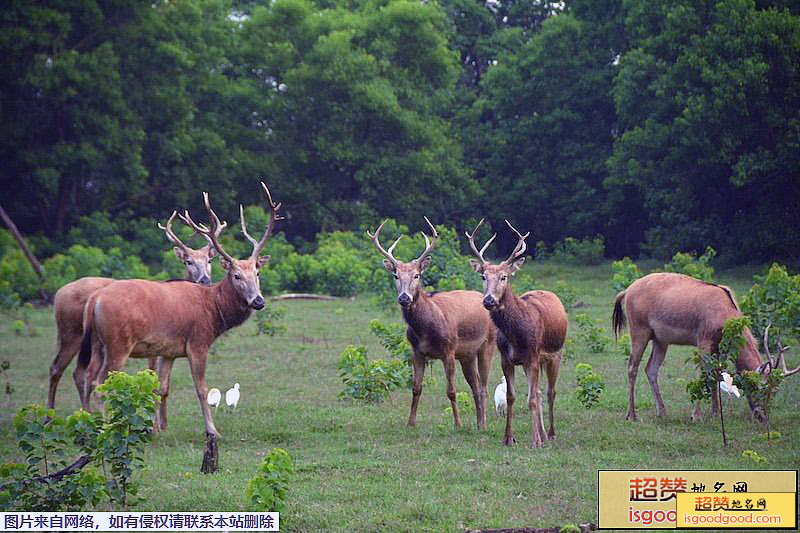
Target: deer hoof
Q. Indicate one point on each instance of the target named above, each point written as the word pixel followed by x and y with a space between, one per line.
pixel 509 440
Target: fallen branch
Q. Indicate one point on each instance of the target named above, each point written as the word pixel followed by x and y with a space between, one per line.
pixel 304 296
pixel 82 461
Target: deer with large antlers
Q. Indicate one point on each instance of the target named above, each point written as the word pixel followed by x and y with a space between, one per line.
pixel 450 326
pixel 71 299
pixel 668 308
pixel 531 330
pixel 139 318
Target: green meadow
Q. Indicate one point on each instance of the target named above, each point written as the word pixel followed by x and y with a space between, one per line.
pixel 359 467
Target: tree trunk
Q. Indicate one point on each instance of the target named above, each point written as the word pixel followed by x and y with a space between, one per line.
pixel 37 267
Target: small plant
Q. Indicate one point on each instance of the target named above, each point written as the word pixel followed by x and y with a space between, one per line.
pixel 267 320
pixel 623 347
pixel 624 272
pixel 771 435
pixel 393 338
pixel 267 490
pixel 691 265
pixel 570 528
pixel 18 326
pixel 593 335
pixel 464 403
pixel 4 366
pixel 754 456
pixel 370 381
pixel 565 293
pixel 590 385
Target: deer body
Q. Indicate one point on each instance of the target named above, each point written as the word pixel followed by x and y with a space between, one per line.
pixel 531 330
pixel 138 318
pixel 668 308
pixel 70 300
pixel 450 326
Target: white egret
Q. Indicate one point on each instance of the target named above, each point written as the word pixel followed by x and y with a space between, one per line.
pixel 232 396
pixel 214 397
pixel 500 397
pixel 726 385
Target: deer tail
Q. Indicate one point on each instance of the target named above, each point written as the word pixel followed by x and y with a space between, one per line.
pixel 85 355
pixel 618 316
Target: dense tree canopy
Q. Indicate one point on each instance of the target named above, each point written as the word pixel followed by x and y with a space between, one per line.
pixel 662 126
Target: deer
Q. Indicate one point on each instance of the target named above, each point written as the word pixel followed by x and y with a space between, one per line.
pixel 669 308
pixel 70 300
pixel 449 325
pixel 139 318
pixel 531 330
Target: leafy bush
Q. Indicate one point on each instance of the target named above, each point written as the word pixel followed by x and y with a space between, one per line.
pixel 591 334
pixel 585 251
pixel 590 385
pixel 691 265
pixel 18 281
pixel 267 320
pixel 110 445
pixel 624 272
pixel 465 403
pixel 774 299
pixel 267 490
pixel 393 338
pixel 371 381
pixel 623 347
pixel 342 270
pixel 566 293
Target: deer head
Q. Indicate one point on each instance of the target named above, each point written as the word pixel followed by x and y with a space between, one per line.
pixel 198 262
pixel 406 275
pixel 242 273
pixel 496 277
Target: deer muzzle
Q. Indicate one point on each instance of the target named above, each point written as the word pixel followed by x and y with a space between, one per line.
pixel 489 302
pixel 257 303
pixel 404 299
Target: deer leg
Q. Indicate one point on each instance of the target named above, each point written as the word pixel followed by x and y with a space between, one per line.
pixel 164 370
pixel 653 366
pixel 418 365
pixel 552 366
pixel 484 365
pixel 449 362
pixel 197 365
pixel 537 429
pixel 508 373
pixel 68 346
pixel 638 344
pixel 469 367
pixel 705 347
pixel 86 380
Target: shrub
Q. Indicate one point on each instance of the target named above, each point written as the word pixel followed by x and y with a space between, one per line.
pixel 371 381
pixel 393 338
pixel 585 251
pixel 624 272
pixel 18 281
pixel 774 299
pixel 691 265
pixel 566 293
pixel 465 403
pixel 267 490
pixel 593 335
pixel 590 385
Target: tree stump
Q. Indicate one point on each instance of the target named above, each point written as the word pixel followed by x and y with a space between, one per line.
pixel 211 455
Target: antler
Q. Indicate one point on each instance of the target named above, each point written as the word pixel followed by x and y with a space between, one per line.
pixel 773 363
pixel 171 234
pixel 519 249
pixel 273 217
pixel 428 244
pixel 212 234
pixel 472 242
pixel 388 253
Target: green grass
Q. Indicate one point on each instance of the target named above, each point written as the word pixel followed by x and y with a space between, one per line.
pixel 358 467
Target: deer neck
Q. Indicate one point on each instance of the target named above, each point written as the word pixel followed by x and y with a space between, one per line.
pixel 421 312
pixel 509 314
pixel 229 309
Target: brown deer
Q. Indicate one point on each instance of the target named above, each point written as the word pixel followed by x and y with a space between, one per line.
pixel 450 326
pixel 138 318
pixel 668 308
pixel 531 330
pixel 71 298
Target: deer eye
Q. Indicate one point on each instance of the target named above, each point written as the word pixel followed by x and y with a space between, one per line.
pixel 416 276
pixel 396 276
pixel 503 278
pixel 237 276
pixel 483 277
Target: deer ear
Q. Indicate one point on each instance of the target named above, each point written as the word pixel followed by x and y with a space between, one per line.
pixel 516 265
pixel 388 265
pixel 212 252
pixel 179 253
pixel 225 263
pixel 476 265
pixel 263 260
pixel 423 266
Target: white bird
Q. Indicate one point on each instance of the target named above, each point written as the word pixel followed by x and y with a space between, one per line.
pixel 214 396
pixel 232 396
pixel 500 397
pixel 726 385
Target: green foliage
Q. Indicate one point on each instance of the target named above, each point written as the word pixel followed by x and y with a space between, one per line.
pixel 774 299
pixel 9 390
pixel 267 320
pixel 18 281
pixel 754 457
pixel 623 347
pixel 590 385
pixel 465 404
pixel 691 265
pixel 393 338
pixel 593 335
pixel 566 293
pixel 624 272
pixel 370 381
pixel 584 251
pixel 112 443
pixel 267 490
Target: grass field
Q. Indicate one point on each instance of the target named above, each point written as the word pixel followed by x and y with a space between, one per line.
pixel 358 467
